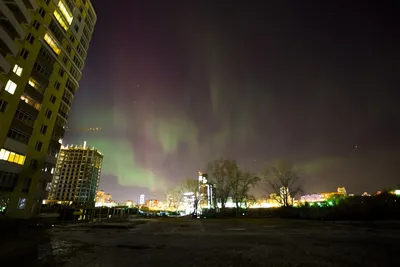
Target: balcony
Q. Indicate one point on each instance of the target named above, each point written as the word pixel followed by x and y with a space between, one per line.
pixel 4 65
pixel 21 127
pixel 32 92
pixel 50 159
pixel 11 167
pixel 41 78
pixel 46 176
pixel 8 183
pixel 16 146
pixel 6 41
pixel 28 108
pixel 20 11
pixel 8 14
pixel 30 4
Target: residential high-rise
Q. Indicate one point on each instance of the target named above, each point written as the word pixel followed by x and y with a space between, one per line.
pixel 77 175
pixel 43 47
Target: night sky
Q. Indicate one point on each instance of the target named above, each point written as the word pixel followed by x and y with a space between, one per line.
pixel 176 84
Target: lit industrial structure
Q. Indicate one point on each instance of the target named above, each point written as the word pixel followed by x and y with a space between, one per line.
pixel 43 48
pixel 77 175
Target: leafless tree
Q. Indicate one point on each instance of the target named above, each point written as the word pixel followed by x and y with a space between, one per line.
pixel 174 198
pixel 241 182
pixel 220 172
pixel 248 201
pixel 176 195
pixel 191 186
pixel 283 180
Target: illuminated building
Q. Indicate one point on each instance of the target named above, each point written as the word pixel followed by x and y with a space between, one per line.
pixel 207 198
pixel 129 203
pixel 152 204
pixel 43 48
pixel 102 197
pixel 189 204
pixel 141 200
pixel 342 191
pixel 77 175
pixel 323 196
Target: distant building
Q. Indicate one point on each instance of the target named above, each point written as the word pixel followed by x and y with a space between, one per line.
pixel 152 204
pixel 77 175
pixel 342 191
pixel 141 200
pixel 207 198
pixel 130 203
pixel 102 197
pixel 319 197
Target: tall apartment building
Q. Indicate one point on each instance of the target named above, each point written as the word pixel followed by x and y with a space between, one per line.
pixel 43 47
pixel 77 175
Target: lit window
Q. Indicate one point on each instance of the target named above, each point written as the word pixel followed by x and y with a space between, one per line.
pixel 21 203
pixel 32 82
pixel 65 12
pixel 17 70
pixel 21 160
pixel 10 87
pixel 60 20
pixel 52 170
pixel 2 154
pixel 12 157
pixel 30 101
pixel 50 41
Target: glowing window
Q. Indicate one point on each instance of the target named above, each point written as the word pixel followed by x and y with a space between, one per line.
pixel 17 70
pixel 10 87
pixel 65 12
pixel 30 101
pixel 11 157
pixel 6 155
pixel 21 203
pixel 2 154
pixel 21 160
pixel 50 41
pixel 60 20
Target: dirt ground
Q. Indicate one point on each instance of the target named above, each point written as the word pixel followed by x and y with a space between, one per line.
pixel 229 242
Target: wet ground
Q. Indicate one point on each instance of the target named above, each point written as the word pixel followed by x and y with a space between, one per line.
pixel 229 242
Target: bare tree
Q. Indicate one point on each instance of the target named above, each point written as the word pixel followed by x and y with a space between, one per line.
pixel 220 172
pixel 191 186
pixel 248 201
pixel 176 195
pixel 283 180
pixel 241 182
pixel 174 198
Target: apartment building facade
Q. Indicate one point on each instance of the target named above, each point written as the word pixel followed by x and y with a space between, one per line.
pixel 43 48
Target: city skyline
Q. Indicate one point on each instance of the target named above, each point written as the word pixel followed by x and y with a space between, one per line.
pixel 189 83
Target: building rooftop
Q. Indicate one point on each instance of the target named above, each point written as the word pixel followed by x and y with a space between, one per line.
pixel 83 147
